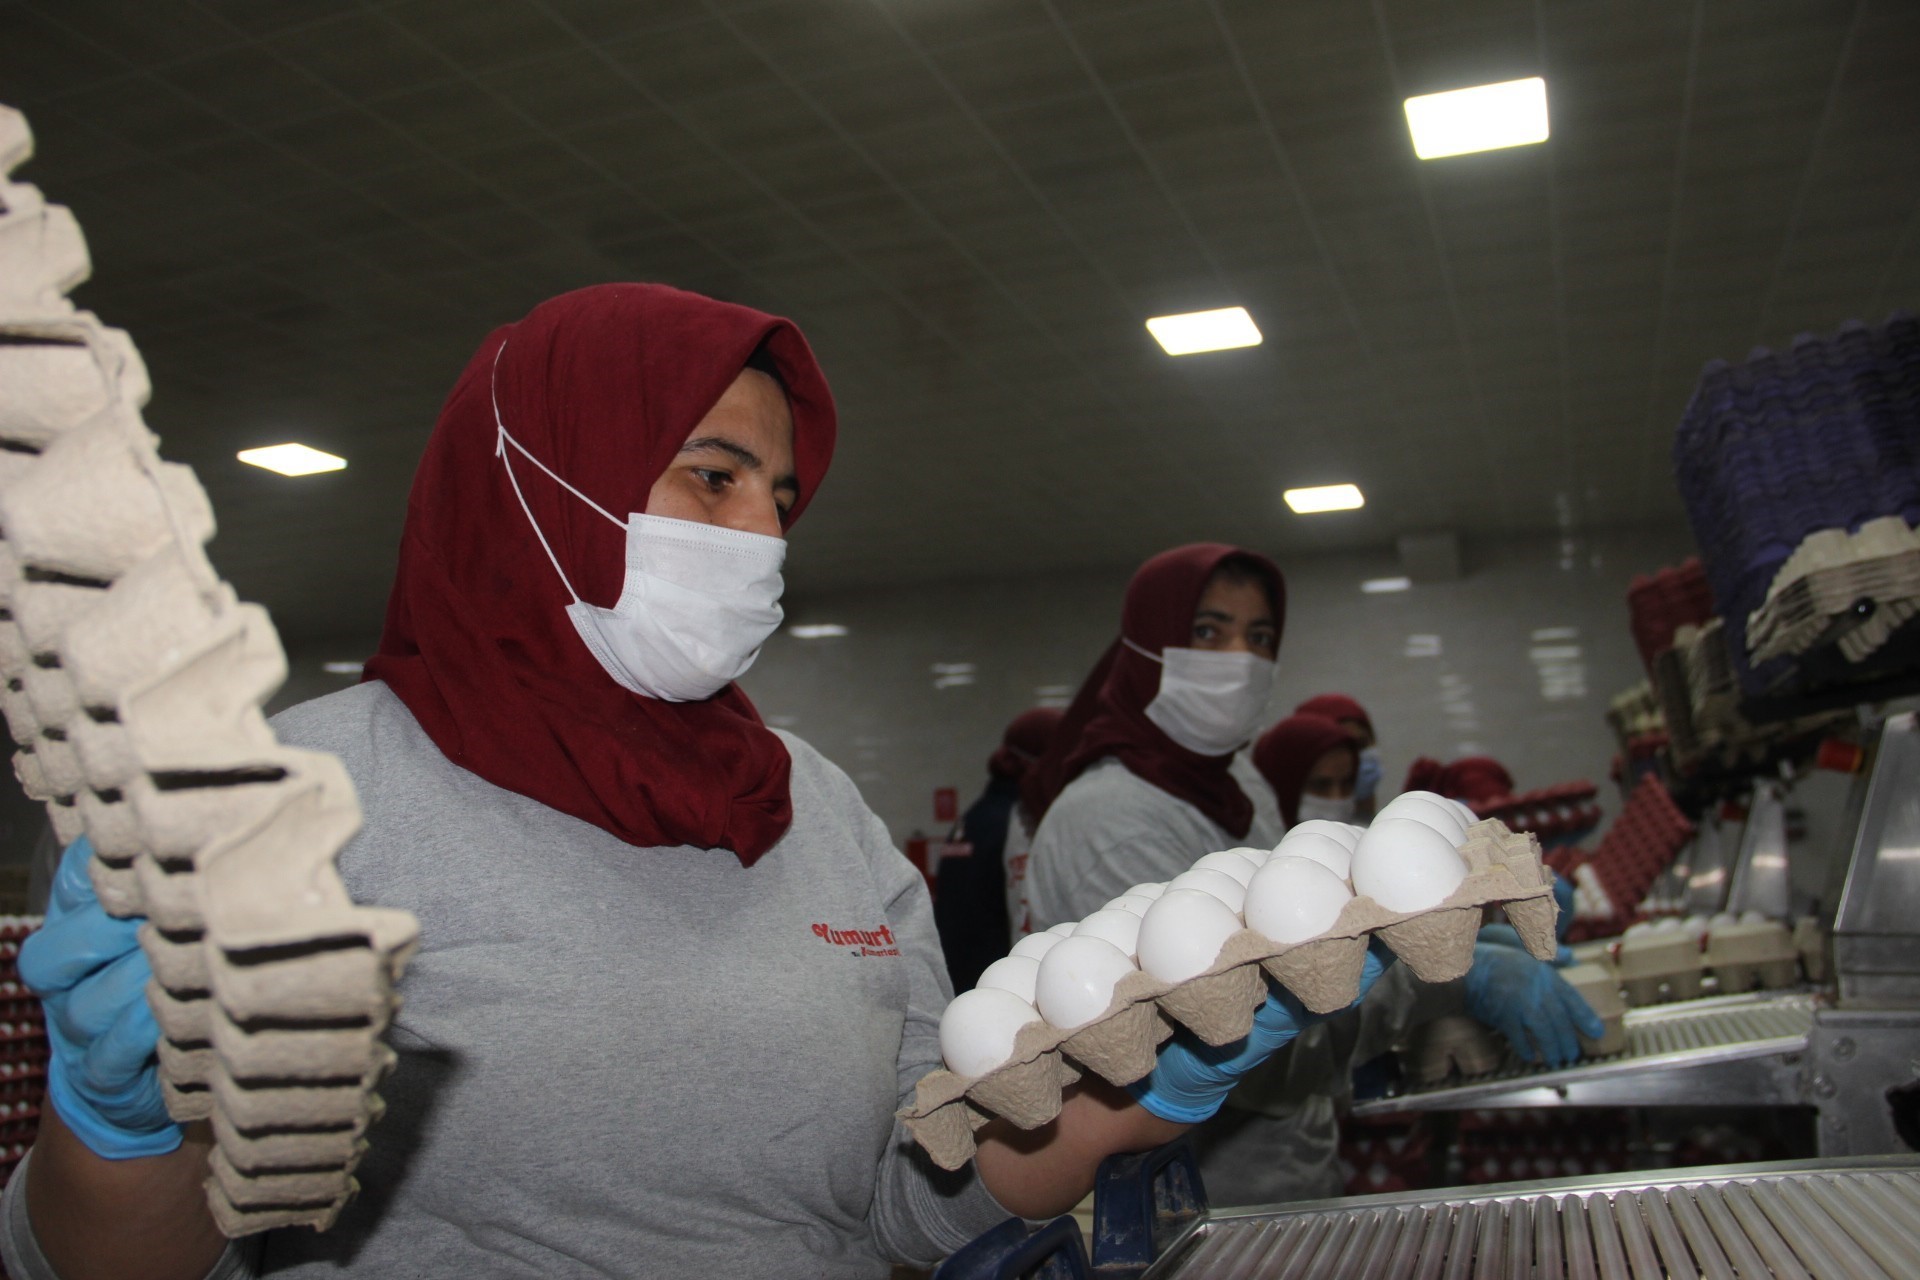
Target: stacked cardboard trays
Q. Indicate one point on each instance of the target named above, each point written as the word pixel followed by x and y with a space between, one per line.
pixel 1504 869
pixel 132 680
pixel 1815 440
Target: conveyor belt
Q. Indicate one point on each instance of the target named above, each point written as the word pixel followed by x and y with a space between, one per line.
pixel 1669 1038
pixel 1805 1220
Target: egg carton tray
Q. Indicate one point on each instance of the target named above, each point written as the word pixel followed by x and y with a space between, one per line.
pixel 132 680
pixel 1119 1046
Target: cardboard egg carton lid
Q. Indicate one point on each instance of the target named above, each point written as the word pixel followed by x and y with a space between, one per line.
pixel 1504 869
pixel 1745 943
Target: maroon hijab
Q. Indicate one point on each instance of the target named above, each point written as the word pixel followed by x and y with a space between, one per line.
pixel 602 385
pixel 1336 707
pixel 1024 742
pixel 1108 716
pixel 1286 754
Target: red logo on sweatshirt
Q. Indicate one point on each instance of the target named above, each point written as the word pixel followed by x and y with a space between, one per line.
pixel 859 942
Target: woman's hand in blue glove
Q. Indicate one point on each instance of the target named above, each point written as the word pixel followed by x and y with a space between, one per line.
pixel 1532 1006
pixel 90 974
pixel 1506 935
pixel 1563 898
pixel 1192 1078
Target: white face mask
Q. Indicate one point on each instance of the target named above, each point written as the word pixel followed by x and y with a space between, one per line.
pixel 1209 702
pixel 698 601
pixel 1312 806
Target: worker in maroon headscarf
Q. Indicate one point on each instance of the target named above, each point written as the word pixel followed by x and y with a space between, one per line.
pixel 1138 783
pixel 674 981
pixel 1311 763
pixel 1352 717
pixel 1478 781
pixel 987 853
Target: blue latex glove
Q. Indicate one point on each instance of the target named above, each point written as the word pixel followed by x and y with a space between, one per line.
pixel 1505 935
pixel 1192 1078
pixel 91 976
pixel 1367 780
pixel 1528 1003
pixel 1563 898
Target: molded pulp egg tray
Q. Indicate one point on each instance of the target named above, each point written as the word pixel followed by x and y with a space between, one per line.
pixel 1504 869
pixel 132 680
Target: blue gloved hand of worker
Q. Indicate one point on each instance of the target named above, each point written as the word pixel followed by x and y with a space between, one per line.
pixel 1563 898
pixel 1192 1078
pixel 91 976
pixel 1527 1002
pixel 1505 935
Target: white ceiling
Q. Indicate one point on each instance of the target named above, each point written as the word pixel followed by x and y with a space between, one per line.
pixel 307 215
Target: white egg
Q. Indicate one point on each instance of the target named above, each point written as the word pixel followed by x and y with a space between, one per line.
pixel 1137 903
pixel 1183 933
pixel 1012 973
pixel 1258 857
pixel 1465 810
pixel 977 1030
pixel 1150 890
pixel 1322 848
pixel 1293 899
pixel 1064 929
pixel 1035 945
pixel 1345 833
pixel 1424 806
pixel 1218 883
pixel 1231 864
pixel 1076 981
pixel 1121 928
pixel 1406 865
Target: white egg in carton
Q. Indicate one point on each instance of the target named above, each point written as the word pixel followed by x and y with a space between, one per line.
pixel 1102 994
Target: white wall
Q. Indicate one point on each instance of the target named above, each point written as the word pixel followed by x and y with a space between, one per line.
pixel 869 702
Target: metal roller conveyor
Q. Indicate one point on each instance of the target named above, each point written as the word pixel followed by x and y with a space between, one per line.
pixel 1696 1051
pixel 1853 1220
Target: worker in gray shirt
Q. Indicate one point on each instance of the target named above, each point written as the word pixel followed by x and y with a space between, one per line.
pixel 674 981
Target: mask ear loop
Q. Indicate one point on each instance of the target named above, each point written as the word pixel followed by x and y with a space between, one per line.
pixel 500 442
pixel 1148 654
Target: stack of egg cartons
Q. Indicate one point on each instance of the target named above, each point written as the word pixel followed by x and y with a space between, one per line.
pixel 1660 604
pixel 1102 993
pixel 132 680
pixel 1822 439
pixel 1638 846
pixel 23 1049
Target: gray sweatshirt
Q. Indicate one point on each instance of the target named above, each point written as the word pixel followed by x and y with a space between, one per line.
pixel 632 1062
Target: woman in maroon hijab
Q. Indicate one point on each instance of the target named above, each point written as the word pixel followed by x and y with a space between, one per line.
pixel 1310 763
pixel 674 980
pixel 1138 782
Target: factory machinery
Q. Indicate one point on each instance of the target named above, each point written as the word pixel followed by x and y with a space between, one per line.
pixel 1848 1049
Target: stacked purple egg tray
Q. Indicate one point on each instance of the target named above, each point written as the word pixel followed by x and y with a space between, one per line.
pixel 1824 435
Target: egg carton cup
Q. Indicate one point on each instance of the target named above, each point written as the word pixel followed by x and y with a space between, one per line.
pixel 1454 1045
pixel 1120 1046
pixel 132 680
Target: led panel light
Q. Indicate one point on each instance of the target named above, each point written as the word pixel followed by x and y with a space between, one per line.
pixel 816 630
pixel 1484 118
pixel 343 668
pixel 1380 586
pixel 1198 331
pixel 1326 497
pixel 292 459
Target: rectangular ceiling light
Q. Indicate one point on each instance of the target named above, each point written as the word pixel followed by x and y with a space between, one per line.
pixel 1380 586
pixel 816 630
pixel 1326 497
pixel 1484 118
pixel 1197 331
pixel 292 459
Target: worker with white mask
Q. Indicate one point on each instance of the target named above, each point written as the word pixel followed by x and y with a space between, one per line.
pixel 1137 784
pixel 1347 712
